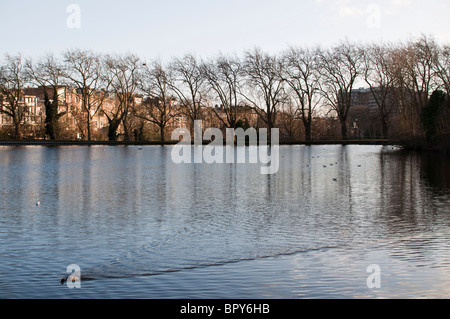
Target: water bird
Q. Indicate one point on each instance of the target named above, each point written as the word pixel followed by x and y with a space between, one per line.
pixel 38 203
pixel 324 166
pixel 359 165
pixel 334 179
pixel 73 277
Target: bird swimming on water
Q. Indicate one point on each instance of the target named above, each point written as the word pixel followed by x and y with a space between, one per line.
pixel 73 277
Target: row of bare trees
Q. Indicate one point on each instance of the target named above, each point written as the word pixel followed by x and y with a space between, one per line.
pixel 299 82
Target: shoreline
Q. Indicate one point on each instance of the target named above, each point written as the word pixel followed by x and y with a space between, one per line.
pixel 404 145
pixel 169 143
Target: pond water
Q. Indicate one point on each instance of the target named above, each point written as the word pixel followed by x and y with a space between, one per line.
pixel 140 226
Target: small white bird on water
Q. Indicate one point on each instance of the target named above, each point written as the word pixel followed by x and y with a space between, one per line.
pixel 38 203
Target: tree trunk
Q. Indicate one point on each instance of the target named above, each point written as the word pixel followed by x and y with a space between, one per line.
pixel 271 119
pixel 112 129
pixel 51 114
pixel 126 131
pixel 344 129
pixel 385 126
pixel 88 122
pixel 161 133
pixel 17 130
pixel 49 119
pixel 308 126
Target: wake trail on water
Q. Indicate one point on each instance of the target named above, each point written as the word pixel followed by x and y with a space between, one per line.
pixel 158 256
pixel 119 270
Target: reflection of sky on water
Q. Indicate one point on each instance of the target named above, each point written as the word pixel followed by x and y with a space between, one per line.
pixel 307 231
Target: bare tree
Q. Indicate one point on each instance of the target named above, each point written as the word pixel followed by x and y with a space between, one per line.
pixel 48 73
pixel 339 67
pixel 12 81
pixel 421 66
pixel 188 86
pixel 158 107
pixel 288 120
pixel 377 61
pixel 413 66
pixel 223 76
pixel 265 91
pixel 123 72
pixel 442 67
pixel 301 74
pixel 85 70
pixel 404 92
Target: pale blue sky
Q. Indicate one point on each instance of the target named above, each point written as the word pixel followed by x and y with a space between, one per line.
pixel 207 27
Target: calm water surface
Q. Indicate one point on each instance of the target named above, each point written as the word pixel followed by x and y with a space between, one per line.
pixel 140 226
